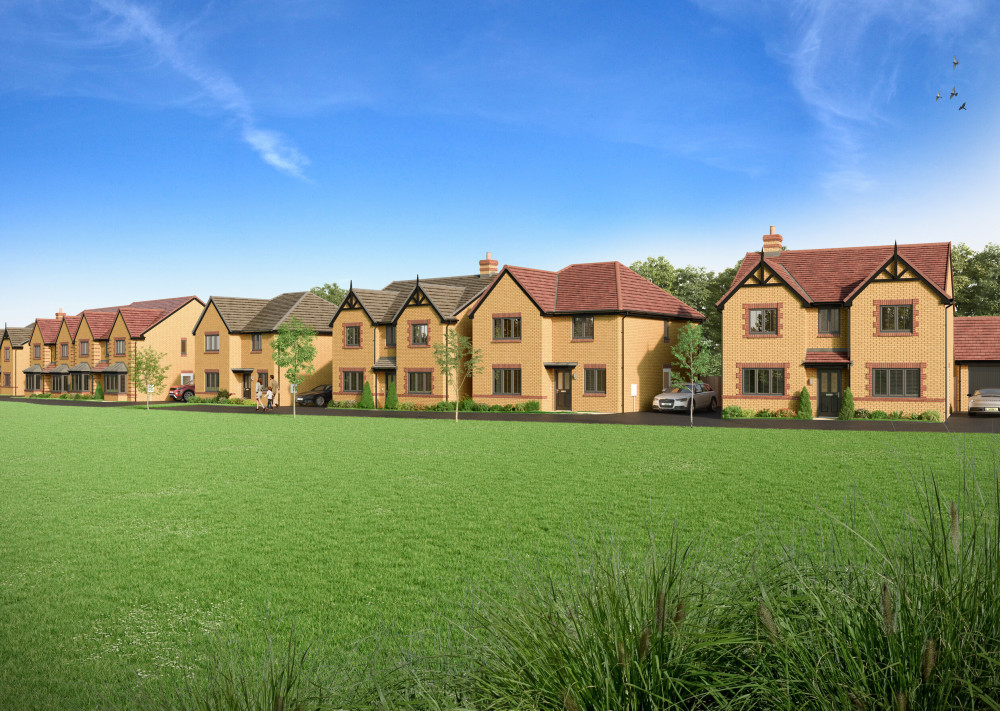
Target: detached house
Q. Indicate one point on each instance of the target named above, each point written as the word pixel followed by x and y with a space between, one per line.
pixel 384 336
pixel 232 338
pixel 877 319
pixel 12 353
pixel 592 337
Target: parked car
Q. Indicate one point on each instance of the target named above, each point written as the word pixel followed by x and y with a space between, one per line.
pixel 318 396
pixel 182 392
pixel 985 401
pixel 678 398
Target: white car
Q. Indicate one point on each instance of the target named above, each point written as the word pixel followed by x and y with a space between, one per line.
pixel 678 398
pixel 985 401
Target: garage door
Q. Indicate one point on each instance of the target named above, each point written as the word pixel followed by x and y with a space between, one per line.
pixel 983 376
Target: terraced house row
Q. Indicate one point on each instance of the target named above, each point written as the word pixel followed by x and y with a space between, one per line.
pixel 593 337
pixel 880 320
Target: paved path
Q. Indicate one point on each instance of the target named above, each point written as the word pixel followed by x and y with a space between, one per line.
pixel 956 423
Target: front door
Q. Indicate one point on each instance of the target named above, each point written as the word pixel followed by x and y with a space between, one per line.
pixel 564 389
pixel 390 378
pixel 829 393
pixel 246 386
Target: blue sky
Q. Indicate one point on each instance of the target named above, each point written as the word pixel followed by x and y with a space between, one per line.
pixel 252 147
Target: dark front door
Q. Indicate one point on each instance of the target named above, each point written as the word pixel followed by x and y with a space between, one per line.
pixel 829 393
pixel 246 386
pixel 390 378
pixel 564 389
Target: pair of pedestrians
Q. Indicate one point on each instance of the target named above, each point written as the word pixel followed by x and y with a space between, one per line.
pixel 261 407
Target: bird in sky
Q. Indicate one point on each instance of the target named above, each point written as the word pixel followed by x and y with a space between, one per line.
pixel 936 98
pixel 962 107
pixel 954 93
pixel 954 61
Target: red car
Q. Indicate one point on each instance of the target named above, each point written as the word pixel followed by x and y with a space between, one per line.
pixel 182 392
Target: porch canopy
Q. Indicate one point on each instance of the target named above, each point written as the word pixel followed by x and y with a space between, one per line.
pixel 385 363
pixel 33 369
pixel 60 370
pixel 559 365
pixel 80 368
pixel 116 368
pixel 242 370
pixel 831 357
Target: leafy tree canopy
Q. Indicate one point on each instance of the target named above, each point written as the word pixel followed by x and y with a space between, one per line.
pixel 331 292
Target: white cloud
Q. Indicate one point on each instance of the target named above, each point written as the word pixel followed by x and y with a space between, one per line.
pixel 139 24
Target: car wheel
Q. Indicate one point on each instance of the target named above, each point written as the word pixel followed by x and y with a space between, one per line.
pixel 713 406
pixel 320 401
pixel 187 396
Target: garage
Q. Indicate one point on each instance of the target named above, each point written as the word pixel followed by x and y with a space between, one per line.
pixel 983 376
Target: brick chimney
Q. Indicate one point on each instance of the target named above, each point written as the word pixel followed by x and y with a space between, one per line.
pixel 772 243
pixel 488 266
pixel 60 314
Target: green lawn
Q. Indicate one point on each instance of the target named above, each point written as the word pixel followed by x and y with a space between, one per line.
pixel 127 536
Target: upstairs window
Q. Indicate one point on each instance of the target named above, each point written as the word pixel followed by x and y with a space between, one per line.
pixel 84 348
pixel 583 328
pixel 390 336
pixel 6 354
pixel 36 352
pixel 184 347
pixel 119 346
pixel 211 342
pixel 352 336
pixel 829 321
pixel 64 350
pixel 764 321
pixel 256 342
pixel 507 328
pixel 419 334
pixel 896 319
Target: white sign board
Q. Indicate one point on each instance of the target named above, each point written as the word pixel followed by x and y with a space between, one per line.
pixel 292 388
pixel 635 389
pixel 150 389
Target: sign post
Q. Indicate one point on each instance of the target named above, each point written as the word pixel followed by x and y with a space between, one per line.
pixel 635 391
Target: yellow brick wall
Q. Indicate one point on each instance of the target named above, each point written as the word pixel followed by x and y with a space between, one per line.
pixel 788 350
pixel 223 361
pixel 120 330
pixel 9 367
pixel 603 350
pixel 815 340
pixel 530 352
pixel 43 360
pixel 646 354
pixel 962 388
pixel 246 357
pixel 418 357
pixel 84 333
pixel 350 357
pixel 165 337
pixel 927 346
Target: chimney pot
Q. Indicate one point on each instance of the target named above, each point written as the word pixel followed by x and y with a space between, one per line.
pixel 772 242
pixel 488 266
pixel 60 314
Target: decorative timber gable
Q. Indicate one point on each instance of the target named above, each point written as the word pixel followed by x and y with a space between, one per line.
pixel 351 303
pixel 418 298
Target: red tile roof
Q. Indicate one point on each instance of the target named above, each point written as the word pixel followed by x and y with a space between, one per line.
pixel 73 324
pixel 837 274
pixel 598 286
pixel 977 338
pixel 138 321
pixel 827 357
pixel 101 322
pixel 49 328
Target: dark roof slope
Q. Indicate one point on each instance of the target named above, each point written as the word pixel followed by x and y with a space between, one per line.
pixel 379 302
pixel 598 286
pixel 312 310
pixel 237 312
pixel 837 274
pixel 18 335
pixel 977 338
pixel 448 294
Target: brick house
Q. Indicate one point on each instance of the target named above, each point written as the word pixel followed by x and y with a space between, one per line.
pixel 977 356
pixel 576 339
pixel 383 336
pixel 12 352
pixel 232 338
pixel 879 320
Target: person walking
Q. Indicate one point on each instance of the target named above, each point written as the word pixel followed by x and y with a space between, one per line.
pixel 270 397
pixel 260 391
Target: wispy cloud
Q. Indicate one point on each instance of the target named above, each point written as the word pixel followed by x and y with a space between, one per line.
pixel 135 23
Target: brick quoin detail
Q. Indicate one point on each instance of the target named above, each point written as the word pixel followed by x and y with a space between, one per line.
pixel 739 380
pixel 746 320
pixel 406 378
pixel 350 370
pixel 869 386
pixel 409 336
pixel 361 336
pixel 889 334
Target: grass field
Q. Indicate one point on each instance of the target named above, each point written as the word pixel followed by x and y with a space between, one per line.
pixel 129 538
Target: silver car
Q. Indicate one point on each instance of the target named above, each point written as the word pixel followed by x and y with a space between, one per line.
pixel 678 398
pixel 985 401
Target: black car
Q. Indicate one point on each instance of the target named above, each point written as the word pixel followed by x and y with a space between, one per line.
pixel 318 396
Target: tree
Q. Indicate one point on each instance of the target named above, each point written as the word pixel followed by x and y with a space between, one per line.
pixel 331 292
pixel 805 404
pixel 977 280
pixel 457 360
pixel 292 348
pixel 148 369
pixel 692 358
pixel 367 401
pixel 658 270
pixel 847 406
pixel 391 399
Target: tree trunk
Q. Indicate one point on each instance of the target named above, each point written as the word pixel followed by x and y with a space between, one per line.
pixel 692 404
pixel 147 398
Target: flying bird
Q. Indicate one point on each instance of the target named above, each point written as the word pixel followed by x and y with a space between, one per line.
pixel 954 93
pixel 938 96
pixel 962 107
pixel 954 61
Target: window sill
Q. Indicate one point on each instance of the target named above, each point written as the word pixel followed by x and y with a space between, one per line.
pixel 416 345
pixel 348 347
pixel 506 340
pixel 210 352
pixel 256 352
pixel 828 335
pixel 894 333
pixel 581 340
pixel 762 397
pixel 762 335
pixel 595 394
